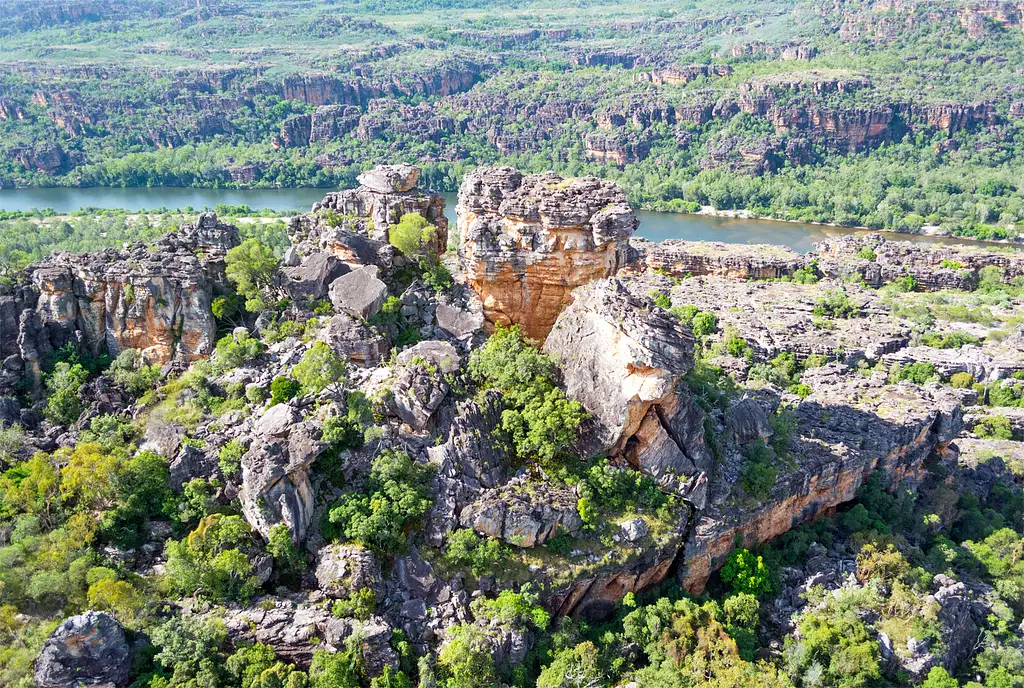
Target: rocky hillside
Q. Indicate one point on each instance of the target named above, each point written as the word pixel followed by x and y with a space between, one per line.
pixel 541 460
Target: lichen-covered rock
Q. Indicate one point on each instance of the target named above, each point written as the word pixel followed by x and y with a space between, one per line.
pixel 475 457
pixel 420 383
pixel 624 359
pixel 85 650
pixel 351 339
pixel 275 473
pixel 526 242
pixel 457 323
pixel 524 513
pixel 342 570
pixel 359 293
pixel 312 275
pixel 681 258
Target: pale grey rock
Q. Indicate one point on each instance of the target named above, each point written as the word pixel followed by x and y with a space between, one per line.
pixel 359 293
pixel 342 570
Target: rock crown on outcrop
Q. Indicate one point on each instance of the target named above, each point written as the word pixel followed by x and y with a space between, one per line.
pixel 525 242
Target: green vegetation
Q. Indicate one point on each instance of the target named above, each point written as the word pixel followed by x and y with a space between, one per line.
pixel 250 266
pixel 537 416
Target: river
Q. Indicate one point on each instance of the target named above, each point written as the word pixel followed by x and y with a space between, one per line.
pixel 654 226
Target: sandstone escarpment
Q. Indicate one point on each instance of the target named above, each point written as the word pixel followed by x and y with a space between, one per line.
pixel 848 429
pixel 154 300
pixel 679 257
pixel 526 242
pixel 878 260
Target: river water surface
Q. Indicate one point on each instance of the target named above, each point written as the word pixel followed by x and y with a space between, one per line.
pixel 653 226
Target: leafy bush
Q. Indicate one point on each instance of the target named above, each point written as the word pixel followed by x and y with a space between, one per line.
pixel 63 403
pixel 758 475
pixel 319 369
pixel 919 372
pixel 661 300
pixel 361 604
pixel 482 555
pixel 412 235
pixel 867 253
pixel 949 340
pixel 250 266
pixel 229 457
pixel 131 372
pixel 538 417
pixel 961 380
pixel 747 573
pixel 395 497
pixel 283 389
pixel 466 660
pixel 236 350
pixel 836 303
pixel 994 427
pixel 435 275
pixel 212 561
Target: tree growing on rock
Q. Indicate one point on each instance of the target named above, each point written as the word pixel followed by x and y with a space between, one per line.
pixel 413 235
pixel 250 266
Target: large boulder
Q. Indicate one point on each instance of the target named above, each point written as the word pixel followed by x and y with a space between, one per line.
pixel 342 570
pixel 275 473
pixel 86 650
pixel 524 512
pixel 351 339
pixel 420 383
pixel 314 273
pixel 526 242
pixel 359 293
pixel 624 360
pixel 390 178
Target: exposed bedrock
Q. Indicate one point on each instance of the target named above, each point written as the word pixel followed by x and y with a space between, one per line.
pixel 385 194
pixel 525 242
pixel 849 428
pixel 737 261
pixel 624 359
pixel 155 300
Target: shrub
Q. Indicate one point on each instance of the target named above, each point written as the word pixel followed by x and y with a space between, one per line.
pixel 412 235
pixel 907 283
pixel 63 403
pixel 919 372
pixel 758 475
pixel 361 604
pixel 282 389
pixel 212 560
pixel 318 369
pixel 538 417
pixel 961 380
pixel 229 457
pixel 236 350
pixel 867 253
pixel 12 439
pixel 396 495
pixel 950 340
pixel 435 275
pixel 747 573
pixel 250 266
pixel 131 372
pixel 481 555
pixel 661 299
pixel 836 303
pixel 466 660
pixel 994 427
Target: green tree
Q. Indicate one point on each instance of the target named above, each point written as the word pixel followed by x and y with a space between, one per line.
pixel 63 403
pixel 319 369
pixel 413 235
pixel 747 573
pixel 538 417
pixel 466 661
pixel 573 667
pixel 250 266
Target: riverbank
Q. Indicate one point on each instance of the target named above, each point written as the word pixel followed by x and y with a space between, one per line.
pixel 933 231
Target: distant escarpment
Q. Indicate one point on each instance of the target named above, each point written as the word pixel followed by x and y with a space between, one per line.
pixel 526 241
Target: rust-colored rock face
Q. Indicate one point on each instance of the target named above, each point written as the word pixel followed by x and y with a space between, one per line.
pixel 897 429
pixel 526 242
pixel 156 301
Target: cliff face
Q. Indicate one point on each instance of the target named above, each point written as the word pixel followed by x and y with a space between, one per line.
pixel 697 258
pixel 896 429
pixel 526 242
pixel 156 301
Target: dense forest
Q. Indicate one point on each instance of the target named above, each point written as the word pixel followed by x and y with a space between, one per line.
pixel 904 116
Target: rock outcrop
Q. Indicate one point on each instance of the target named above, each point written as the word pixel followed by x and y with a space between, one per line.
pixel 154 300
pixel 850 427
pixel 275 472
pixel 681 258
pixel 385 194
pixel 85 650
pixel 624 359
pixel 526 242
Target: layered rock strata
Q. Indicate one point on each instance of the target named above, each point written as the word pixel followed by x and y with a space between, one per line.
pixel 525 242
pixel 679 257
pixel 849 428
pixel 154 300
